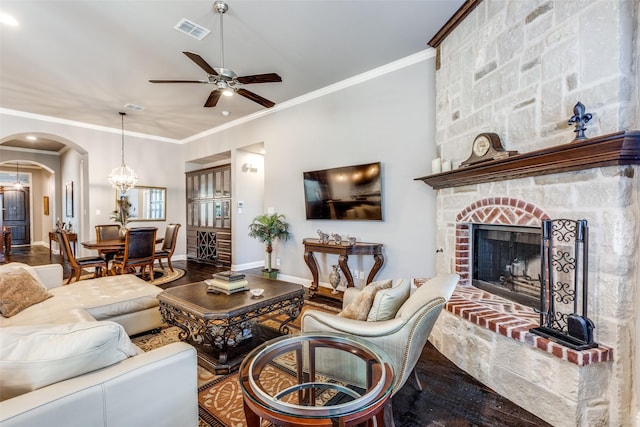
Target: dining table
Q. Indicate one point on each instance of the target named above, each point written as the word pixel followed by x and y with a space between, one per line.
pixel 109 244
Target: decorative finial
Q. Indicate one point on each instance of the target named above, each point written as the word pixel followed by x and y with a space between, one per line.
pixel 580 119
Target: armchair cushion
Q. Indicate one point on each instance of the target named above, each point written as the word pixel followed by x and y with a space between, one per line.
pixel 19 290
pixel 387 301
pixel 358 309
pixel 32 357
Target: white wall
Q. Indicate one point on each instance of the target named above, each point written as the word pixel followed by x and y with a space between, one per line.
pixel 248 188
pixel 94 153
pixel 387 119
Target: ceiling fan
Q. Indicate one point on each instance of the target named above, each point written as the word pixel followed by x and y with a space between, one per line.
pixel 225 79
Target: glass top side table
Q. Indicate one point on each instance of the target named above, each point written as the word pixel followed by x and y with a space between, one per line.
pixel 316 379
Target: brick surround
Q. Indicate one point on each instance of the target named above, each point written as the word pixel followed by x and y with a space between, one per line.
pixel 490 311
pixel 492 210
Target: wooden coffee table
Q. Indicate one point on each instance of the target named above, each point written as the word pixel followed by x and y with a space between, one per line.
pixel 217 323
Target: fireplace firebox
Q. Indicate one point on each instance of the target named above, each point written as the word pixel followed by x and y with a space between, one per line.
pixel 506 262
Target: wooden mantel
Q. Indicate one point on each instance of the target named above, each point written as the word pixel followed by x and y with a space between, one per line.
pixel 620 148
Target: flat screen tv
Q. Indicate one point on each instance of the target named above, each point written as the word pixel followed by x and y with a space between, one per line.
pixel 345 193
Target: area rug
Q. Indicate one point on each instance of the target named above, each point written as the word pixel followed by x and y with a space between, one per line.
pixel 219 396
pixel 220 401
pixel 160 276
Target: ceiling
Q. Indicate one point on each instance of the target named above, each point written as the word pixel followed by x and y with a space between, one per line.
pixel 84 60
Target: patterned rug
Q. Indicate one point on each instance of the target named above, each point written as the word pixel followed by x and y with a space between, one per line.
pixel 220 401
pixel 160 276
pixel 219 396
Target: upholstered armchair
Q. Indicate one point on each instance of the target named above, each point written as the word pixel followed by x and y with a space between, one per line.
pixel 402 336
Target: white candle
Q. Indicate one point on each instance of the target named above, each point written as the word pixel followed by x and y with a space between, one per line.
pixel 446 166
pixel 436 166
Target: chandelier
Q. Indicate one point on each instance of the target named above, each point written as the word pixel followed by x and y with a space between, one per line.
pixel 123 178
pixel 17 185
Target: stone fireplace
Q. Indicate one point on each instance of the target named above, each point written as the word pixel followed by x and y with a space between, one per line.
pixel 518 69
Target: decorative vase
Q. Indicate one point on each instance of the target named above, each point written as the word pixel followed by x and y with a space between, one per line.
pixel 273 274
pixel 123 232
pixel 334 279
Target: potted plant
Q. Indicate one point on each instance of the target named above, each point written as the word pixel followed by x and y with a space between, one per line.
pixel 268 228
pixel 122 215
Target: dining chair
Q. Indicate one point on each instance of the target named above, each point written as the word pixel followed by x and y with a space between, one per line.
pixel 168 245
pixel 77 264
pixel 107 232
pixel 139 251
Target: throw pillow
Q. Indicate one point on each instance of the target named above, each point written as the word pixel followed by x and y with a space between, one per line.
pixel 32 357
pixel 358 309
pixel 12 266
pixel 387 301
pixel 19 290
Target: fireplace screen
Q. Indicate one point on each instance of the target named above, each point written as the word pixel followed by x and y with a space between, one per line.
pixel 506 262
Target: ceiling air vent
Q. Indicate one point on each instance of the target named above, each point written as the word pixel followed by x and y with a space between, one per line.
pixel 134 107
pixel 192 29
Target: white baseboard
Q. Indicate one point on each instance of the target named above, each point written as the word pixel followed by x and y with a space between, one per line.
pixel 247 266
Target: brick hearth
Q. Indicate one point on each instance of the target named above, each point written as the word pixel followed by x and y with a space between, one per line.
pixel 495 313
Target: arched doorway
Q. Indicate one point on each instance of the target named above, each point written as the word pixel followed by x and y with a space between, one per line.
pixel 26 191
pixel 50 162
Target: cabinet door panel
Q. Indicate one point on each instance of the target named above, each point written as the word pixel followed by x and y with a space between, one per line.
pixel 208 194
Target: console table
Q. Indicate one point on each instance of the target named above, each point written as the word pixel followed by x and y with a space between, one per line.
pixel 343 250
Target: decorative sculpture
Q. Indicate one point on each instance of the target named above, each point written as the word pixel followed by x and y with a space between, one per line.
pixel 335 279
pixel 322 236
pixel 580 118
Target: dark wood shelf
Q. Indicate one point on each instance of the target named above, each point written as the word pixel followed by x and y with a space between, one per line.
pixel 620 148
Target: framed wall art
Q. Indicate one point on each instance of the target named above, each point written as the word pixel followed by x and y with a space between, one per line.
pixel 45 205
pixel 69 199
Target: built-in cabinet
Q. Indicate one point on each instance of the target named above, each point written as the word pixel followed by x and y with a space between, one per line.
pixel 209 215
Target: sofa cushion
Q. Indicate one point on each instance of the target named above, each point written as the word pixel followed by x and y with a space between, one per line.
pixel 19 290
pixel 100 299
pixel 12 266
pixel 358 309
pixel 32 357
pixel 387 301
pixel 110 296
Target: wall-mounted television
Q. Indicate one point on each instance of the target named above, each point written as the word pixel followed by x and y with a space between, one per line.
pixel 345 193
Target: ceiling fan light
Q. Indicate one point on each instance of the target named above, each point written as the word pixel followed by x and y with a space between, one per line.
pixel 227 92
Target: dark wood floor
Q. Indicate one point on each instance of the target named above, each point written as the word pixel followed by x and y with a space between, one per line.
pixel 450 397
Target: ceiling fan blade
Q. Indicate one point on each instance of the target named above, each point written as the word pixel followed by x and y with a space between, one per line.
pixel 255 98
pixel 178 81
pixel 260 78
pixel 213 98
pixel 201 63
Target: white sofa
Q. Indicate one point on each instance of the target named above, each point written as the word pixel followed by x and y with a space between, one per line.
pixel 125 299
pixel 82 330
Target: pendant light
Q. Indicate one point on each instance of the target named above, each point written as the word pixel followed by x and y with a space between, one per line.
pixel 123 178
pixel 17 185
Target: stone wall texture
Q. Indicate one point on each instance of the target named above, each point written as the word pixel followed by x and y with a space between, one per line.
pixel 517 68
